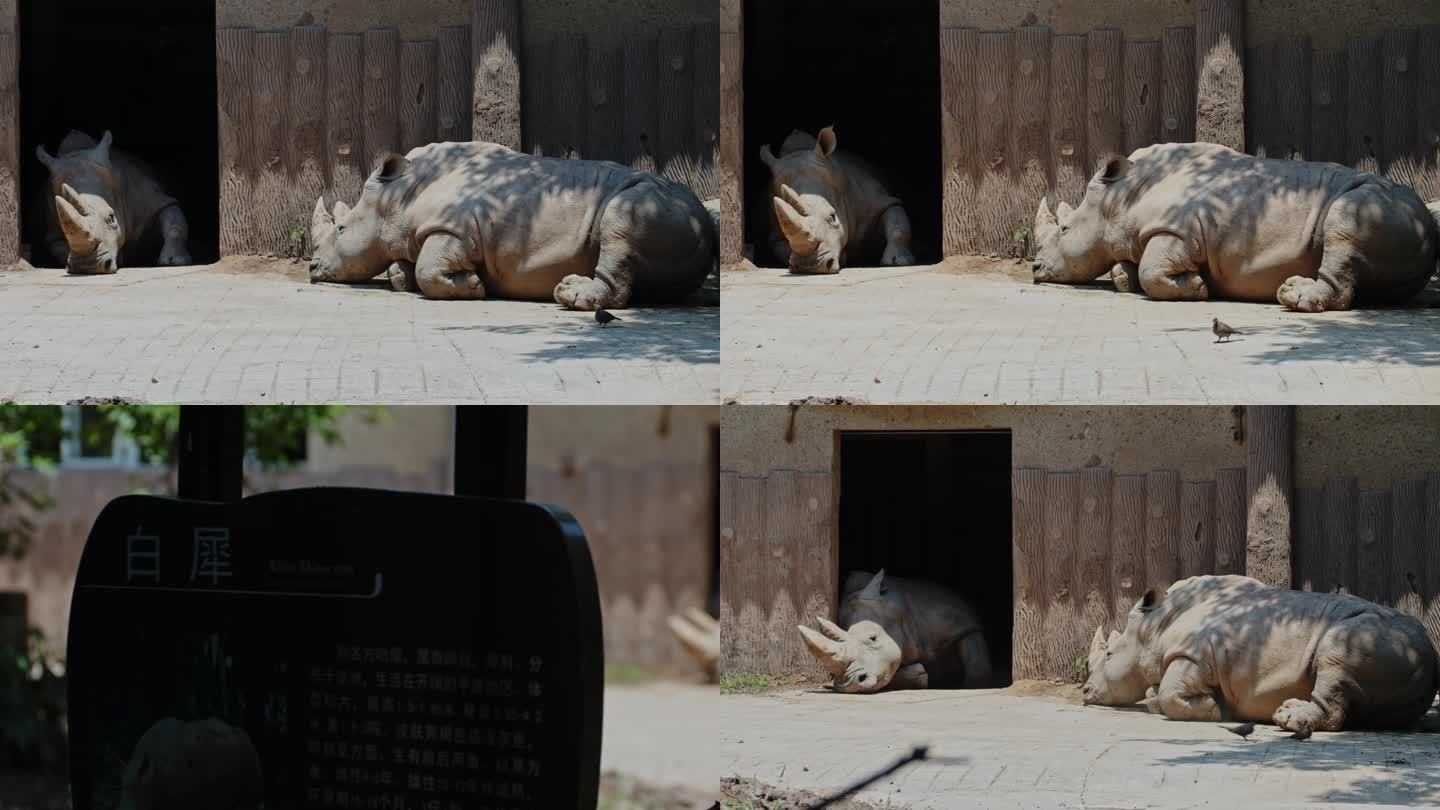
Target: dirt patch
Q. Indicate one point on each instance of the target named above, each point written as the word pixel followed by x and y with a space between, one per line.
pixel 621 792
pixel 1052 691
pixel 289 269
pixel 743 794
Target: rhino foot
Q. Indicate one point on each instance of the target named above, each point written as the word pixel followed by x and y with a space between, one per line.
pixel 587 294
pixel 1295 714
pixel 174 256
pixel 1305 294
pixel 402 277
pixel 898 257
pixel 1126 276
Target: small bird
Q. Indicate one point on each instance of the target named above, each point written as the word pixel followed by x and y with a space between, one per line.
pixel 602 317
pixel 1303 734
pixel 1244 730
pixel 1222 330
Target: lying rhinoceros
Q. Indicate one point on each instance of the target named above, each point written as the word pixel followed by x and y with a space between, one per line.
pixel 699 634
pixel 176 766
pixel 1195 220
pixel 901 634
pixel 1232 648
pixel 104 207
pixel 471 220
pixel 831 205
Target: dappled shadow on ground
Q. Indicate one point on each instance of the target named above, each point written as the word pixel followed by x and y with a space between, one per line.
pixel 1392 336
pixel 683 335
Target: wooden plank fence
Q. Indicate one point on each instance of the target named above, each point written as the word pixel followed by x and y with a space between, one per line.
pixel 1381 545
pixel 652 554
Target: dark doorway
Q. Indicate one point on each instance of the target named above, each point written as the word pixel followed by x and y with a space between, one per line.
pixel 934 506
pixel 143 69
pixel 871 69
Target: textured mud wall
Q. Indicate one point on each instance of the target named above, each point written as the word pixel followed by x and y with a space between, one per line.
pixel 608 23
pixel 412 18
pixel 1137 20
pixel 1329 23
pixel 1371 445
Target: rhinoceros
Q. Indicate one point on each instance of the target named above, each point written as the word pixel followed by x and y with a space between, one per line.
pixel 105 207
pixel 1232 648
pixel 471 220
pixel 1190 221
pixel 206 763
pixel 699 634
pixel 830 205
pixel 900 634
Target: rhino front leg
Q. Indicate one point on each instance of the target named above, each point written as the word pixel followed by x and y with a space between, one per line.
pixel 1167 273
pixel 176 233
pixel 897 238
pixel 444 272
pixel 402 277
pixel 1184 693
pixel 912 676
pixel 1126 276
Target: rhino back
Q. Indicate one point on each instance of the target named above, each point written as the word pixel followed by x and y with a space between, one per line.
pixel 936 618
pixel 852 184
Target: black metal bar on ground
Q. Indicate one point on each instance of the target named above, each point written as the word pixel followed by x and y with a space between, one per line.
pixel 211 452
pixel 490 450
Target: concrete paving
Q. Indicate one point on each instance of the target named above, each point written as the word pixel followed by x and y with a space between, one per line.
pixel 206 335
pixel 663 734
pixel 1024 752
pixel 975 332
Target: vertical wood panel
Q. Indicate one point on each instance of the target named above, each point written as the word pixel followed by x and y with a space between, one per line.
pixel 1292 97
pixel 744 603
pixel 307 125
pixel 1427 111
pixel 1031 127
pixel 344 131
pixel 567 85
pixel 1162 529
pixel 1372 553
pixel 495 66
pixel 1142 94
pixel 1307 531
pixel 605 105
pixel 1363 108
pixel 452 84
pixel 1061 496
pixel 1430 558
pixel 798 566
pixel 1330 84
pixel 538 100
pixel 706 134
pixel 9 150
pixel 959 49
pixel 1230 521
pixel 1270 490
pixel 269 230
pixel 1127 544
pixel 235 66
pixel 1197 528
pixel 732 142
pixel 382 69
pixel 1397 73
pixel 1177 80
pixel 1339 535
pixel 1028 518
pixel 1104 83
pixel 1097 487
pixel 642 119
pixel 992 125
pixel 417 95
pixel 1067 119
pixel 817 581
pixel 677 105
pixel 1220 72
pixel 1407 546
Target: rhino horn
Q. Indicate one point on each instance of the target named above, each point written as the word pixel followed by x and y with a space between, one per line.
pixel 72 224
pixel 830 654
pixel 792 225
pixel 1063 212
pixel 73 197
pixel 45 157
pixel 341 209
pixel 101 152
pixel 876 587
pixel 1114 637
pixel 697 641
pixel 1043 216
pixel 703 620
pixel 831 629
pixel 788 195
pixel 320 217
pixel 766 156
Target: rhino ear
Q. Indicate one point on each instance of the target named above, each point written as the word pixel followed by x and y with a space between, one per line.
pixel 826 143
pixel 1149 601
pixel 320 217
pixel 1114 637
pixel 45 157
pixel 101 152
pixel 1063 212
pixel 1043 216
pixel 1116 169
pixel 391 166
pixel 767 157
pixel 876 587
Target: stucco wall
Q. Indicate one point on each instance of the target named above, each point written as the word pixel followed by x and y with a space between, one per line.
pixel 1374 445
pixel 1138 20
pixel 1194 441
pixel 620 435
pixel 1329 22
pixel 425 446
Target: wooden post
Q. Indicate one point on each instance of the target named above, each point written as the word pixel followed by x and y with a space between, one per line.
pixel 1197 528
pixel 958 53
pixel 1397 152
pixel 1328 117
pixel 1127 545
pixel 1061 628
pixel 1220 72
pixel 1028 517
pixel 269 231
pixel 1142 93
pixel 642 119
pixel 1427 110
pixel 1177 105
pixel 1407 537
pixel 417 94
pixel 706 128
pixel 495 65
pixel 1097 487
pixel 235 65
pixel 566 116
pixel 1030 127
pixel 1430 558
pixel 382 77
pixel 605 104
pixel 732 147
pixel 452 92
pixel 1269 457
pixel 344 132
pixel 1104 83
pixel 1162 529
pixel 675 94
pixel 307 158
pixel 1230 521
pixel 9 150
pixel 1067 119
pixel 1363 109
pixel 993 101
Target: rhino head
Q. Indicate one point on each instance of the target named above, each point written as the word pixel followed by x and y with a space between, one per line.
pixel 1116 675
pixel 86 187
pixel 351 245
pixel 865 657
pixel 809 187
pixel 1072 245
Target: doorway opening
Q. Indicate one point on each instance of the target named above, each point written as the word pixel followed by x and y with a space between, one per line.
pixel 934 506
pixel 143 69
pixel 872 70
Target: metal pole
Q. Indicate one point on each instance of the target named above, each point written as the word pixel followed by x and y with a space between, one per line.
pixel 490 450
pixel 211 452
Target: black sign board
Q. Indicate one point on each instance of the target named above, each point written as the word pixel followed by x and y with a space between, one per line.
pixel 340 648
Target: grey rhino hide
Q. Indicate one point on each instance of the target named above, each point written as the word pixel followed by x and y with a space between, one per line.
pixel 476 220
pixel 1231 648
pixel 828 205
pixel 104 208
pixel 205 763
pixel 900 633
pixel 1194 221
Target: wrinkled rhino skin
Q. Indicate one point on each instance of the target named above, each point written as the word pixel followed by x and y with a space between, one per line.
pixel 181 766
pixel 1196 221
pixel 477 220
pixel 828 205
pixel 104 207
pixel 1230 647
pixel 900 634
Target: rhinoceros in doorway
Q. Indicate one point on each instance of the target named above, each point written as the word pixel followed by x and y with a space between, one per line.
pixel 1191 221
pixel 477 220
pixel 1232 648
pixel 831 208
pixel 104 207
pixel 900 634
